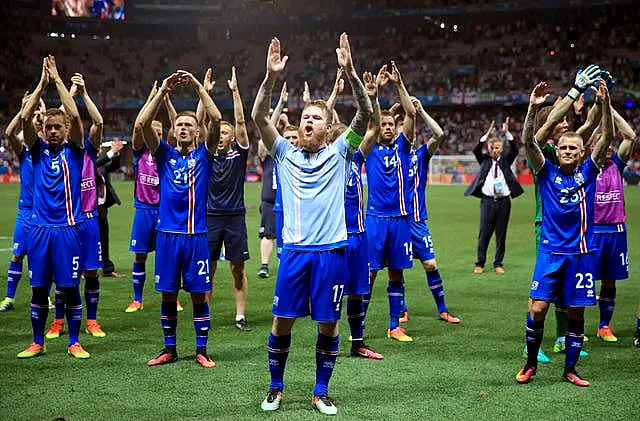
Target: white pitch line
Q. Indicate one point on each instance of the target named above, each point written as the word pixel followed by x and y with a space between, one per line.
pixel 6 249
pixel 5 238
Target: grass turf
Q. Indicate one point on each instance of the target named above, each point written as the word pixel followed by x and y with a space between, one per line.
pixel 456 372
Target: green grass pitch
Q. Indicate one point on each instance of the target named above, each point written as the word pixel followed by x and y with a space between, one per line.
pixel 448 372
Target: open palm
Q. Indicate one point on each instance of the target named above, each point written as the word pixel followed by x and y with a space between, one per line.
pixel 275 63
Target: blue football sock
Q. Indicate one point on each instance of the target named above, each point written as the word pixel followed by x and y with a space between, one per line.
pixel 638 323
pixel 435 285
pixel 395 292
pixel 326 354
pixel 573 340
pixel 74 312
pixel 59 302
pixel 355 317
pixel 366 299
pixel 404 299
pixel 139 276
pixel 39 313
pixel 169 321
pixel 607 304
pixel 201 323
pixel 278 351
pixel 534 334
pixel 91 296
pixel 14 273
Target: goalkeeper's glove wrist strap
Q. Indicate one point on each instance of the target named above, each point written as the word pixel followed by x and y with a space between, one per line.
pixel 574 93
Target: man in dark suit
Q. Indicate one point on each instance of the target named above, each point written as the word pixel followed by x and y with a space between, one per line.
pixel 107 197
pixel 495 185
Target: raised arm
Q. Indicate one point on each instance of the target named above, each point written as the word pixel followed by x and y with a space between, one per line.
pixel 338 87
pixel 583 80
pixel 478 149
pixel 13 128
pixel 599 154
pixel 436 131
pixel 173 114
pixel 212 112
pixel 277 112
pixel 306 94
pixel 629 136
pixel 137 141
pixel 408 125
pixel 373 129
pixel 151 138
pixel 96 130
pixel 364 109
pixel 513 146
pixel 260 111
pixel 26 113
pixel 238 112
pixel 76 131
pixel 589 126
pixel 531 146
pixel 201 115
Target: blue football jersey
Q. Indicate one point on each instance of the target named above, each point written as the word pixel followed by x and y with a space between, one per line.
pixel 277 205
pixel 354 196
pixel 388 178
pixel 313 188
pixel 57 175
pixel 567 208
pixel 183 189
pixel 418 175
pixel 26 180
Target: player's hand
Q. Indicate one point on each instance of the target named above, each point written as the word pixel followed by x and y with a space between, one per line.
pixel 284 93
pixel 208 81
pixel 344 53
pixel 395 77
pixel 492 127
pixel 370 86
pixel 586 78
pixel 602 92
pixel 306 93
pixel 78 82
pixel 233 83
pixel 186 78
pixel 538 95
pixel 338 86
pixel 505 125
pixel 44 76
pixel 52 68
pixel 382 78
pixel 394 108
pixel 170 83
pixel 275 63
pixel 416 103
pixel 116 145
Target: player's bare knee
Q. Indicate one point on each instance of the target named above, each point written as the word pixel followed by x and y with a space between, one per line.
pixel 17 258
pixel 237 271
pixel 538 309
pixel 169 297
pixel 92 273
pixel 575 313
pixel 328 328
pixel 395 275
pixel 372 276
pixel 430 265
pixel 608 284
pixel 282 325
pixel 140 258
pixel 198 297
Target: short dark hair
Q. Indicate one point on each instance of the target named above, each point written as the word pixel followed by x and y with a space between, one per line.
pixel 187 113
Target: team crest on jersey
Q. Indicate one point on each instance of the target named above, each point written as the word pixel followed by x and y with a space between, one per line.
pixel 558 180
pixel 191 163
pixel 579 178
pixel 149 159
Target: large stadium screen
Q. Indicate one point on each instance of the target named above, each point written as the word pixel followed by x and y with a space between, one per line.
pixel 101 9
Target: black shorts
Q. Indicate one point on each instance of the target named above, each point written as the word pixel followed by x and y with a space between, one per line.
pixel 230 230
pixel 267 221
